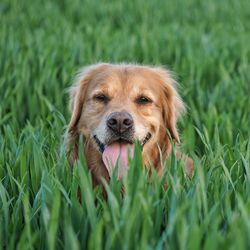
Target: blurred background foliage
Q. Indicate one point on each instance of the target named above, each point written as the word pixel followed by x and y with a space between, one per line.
pixel 44 43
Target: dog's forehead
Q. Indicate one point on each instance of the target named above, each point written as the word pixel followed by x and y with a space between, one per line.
pixel 126 79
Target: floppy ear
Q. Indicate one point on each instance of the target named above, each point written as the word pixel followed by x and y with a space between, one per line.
pixel 173 105
pixel 77 95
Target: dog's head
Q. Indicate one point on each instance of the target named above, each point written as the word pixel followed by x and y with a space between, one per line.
pixel 114 105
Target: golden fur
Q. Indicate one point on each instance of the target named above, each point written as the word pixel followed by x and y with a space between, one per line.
pixel 124 84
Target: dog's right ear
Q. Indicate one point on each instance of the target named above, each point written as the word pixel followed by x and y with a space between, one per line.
pixel 77 96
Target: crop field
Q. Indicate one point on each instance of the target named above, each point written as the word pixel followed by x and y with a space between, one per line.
pixel 43 44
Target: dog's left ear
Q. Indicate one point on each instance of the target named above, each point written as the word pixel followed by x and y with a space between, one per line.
pixel 172 104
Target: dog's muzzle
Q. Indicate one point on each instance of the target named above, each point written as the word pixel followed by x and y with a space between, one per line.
pixel 120 128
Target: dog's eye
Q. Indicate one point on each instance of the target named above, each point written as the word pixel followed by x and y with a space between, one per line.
pixel 101 98
pixel 143 100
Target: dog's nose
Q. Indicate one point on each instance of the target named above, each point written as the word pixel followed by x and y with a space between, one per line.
pixel 119 122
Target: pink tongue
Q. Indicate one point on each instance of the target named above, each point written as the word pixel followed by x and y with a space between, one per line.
pixel 117 151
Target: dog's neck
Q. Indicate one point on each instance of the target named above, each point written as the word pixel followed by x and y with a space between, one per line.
pixel 151 157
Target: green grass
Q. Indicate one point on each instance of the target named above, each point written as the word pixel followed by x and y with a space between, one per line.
pixel 43 44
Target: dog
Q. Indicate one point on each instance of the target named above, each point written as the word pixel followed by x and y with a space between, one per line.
pixel 114 105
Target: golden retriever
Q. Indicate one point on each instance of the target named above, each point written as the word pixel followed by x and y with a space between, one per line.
pixel 113 105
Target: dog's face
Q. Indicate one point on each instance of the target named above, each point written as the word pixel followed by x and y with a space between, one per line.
pixel 115 105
